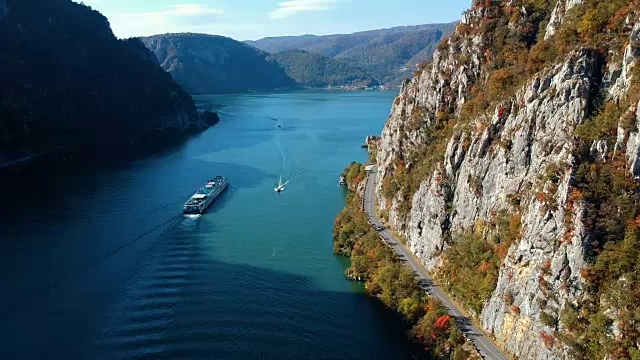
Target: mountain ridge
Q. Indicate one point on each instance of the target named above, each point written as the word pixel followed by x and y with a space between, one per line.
pixel 266 45
pixel 383 53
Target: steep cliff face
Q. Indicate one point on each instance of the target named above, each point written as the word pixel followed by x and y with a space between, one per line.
pixel 558 16
pixel 442 86
pixel 620 77
pixel 541 131
pixel 516 158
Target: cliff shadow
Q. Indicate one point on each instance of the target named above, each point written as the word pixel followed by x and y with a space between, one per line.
pixel 179 303
pixel 130 195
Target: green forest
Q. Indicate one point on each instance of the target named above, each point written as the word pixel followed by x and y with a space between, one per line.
pixel 314 70
pixel 387 55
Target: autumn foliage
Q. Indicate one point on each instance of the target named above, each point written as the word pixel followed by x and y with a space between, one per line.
pixel 393 283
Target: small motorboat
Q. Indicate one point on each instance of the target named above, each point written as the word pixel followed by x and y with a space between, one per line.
pixel 280 186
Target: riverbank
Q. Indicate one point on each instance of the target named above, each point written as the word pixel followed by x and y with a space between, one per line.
pixel 394 284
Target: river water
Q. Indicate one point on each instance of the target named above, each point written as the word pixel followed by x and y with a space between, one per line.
pixel 98 262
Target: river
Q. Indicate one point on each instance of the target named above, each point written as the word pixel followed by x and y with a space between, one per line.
pixel 98 262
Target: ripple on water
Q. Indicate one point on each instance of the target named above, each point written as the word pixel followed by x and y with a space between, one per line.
pixel 184 305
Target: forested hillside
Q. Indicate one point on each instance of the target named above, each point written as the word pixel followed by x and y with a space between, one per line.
pixel 388 55
pixel 209 64
pixel 314 70
pixel 65 80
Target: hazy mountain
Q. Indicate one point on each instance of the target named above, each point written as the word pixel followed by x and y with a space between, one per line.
pixel 209 64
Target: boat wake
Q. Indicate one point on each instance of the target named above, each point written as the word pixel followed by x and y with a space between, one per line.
pixel 299 168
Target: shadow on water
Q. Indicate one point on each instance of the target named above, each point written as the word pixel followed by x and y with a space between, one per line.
pixel 179 180
pixel 61 168
pixel 180 303
pixel 54 233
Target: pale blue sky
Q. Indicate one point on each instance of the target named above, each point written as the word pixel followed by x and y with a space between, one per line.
pixel 254 19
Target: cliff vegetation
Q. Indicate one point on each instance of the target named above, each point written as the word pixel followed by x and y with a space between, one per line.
pixel 510 165
pixel 391 281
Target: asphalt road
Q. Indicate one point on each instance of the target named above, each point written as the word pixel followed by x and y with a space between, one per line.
pixel 484 346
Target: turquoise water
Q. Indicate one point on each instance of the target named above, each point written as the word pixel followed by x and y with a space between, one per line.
pixel 99 262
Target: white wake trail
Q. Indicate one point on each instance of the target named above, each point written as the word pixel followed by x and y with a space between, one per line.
pixel 282 155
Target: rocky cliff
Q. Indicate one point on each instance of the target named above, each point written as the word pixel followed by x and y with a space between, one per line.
pixel 510 123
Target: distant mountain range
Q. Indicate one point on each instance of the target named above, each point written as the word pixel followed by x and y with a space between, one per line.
pixel 388 55
pixel 209 64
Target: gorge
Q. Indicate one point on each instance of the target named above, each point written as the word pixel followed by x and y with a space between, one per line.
pixel 208 64
pixel 506 175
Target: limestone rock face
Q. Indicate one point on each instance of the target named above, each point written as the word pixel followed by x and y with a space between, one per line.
pixel 441 86
pixel 619 74
pixel 512 152
pixel 371 143
pixel 538 130
pixel 541 132
pixel 558 15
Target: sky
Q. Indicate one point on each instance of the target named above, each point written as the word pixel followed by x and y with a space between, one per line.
pixel 255 19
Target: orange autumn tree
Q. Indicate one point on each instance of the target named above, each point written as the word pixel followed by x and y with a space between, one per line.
pixel 437 330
